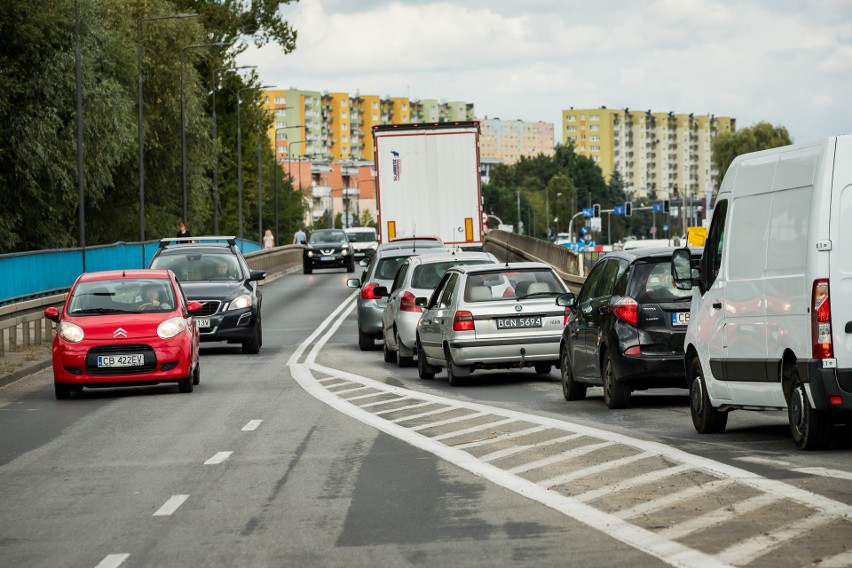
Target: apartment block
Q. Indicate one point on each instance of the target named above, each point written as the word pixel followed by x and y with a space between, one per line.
pixel 661 152
pixel 507 140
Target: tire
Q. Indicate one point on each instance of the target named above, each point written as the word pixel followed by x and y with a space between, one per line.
pixel 571 389
pixel 810 429
pixel 424 369
pixel 252 347
pixel 196 374
pixel 62 392
pixel 705 418
pixel 542 369
pixel 390 356
pixel 350 266
pixel 456 376
pixel 306 268
pixel 402 360
pixel 186 385
pixel 616 395
pixel 365 342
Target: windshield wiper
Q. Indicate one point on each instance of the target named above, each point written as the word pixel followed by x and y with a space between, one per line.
pixel 99 311
pixel 539 294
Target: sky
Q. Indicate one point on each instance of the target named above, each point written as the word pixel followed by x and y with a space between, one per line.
pixel 785 62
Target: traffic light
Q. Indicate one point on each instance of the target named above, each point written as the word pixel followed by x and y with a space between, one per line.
pixel 596 210
pixel 628 208
pixel 666 207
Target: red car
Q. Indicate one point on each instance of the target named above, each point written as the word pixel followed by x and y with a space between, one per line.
pixel 125 328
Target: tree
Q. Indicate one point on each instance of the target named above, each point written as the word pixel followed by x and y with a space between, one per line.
pixel 728 145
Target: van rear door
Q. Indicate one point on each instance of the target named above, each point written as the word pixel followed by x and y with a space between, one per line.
pixel 840 271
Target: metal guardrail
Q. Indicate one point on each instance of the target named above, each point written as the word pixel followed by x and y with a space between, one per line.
pixel 518 248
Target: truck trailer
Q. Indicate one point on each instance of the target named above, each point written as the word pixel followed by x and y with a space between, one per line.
pixel 428 182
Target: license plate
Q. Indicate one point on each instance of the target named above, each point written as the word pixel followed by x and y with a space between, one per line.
pixel 326 258
pixel 680 318
pixel 133 360
pixel 202 322
pixel 514 323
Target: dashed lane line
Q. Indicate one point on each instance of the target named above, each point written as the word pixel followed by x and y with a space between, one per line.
pixel 112 561
pixel 218 457
pixel 252 425
pixel 170 506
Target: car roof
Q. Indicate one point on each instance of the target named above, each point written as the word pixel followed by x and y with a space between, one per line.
pixel 649 253
pixel 470 268
pixel 224 241
pixel 441 256
pixel 134 274
pixel 359 230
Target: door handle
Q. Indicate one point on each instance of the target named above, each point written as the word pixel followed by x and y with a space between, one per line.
pixel 717 305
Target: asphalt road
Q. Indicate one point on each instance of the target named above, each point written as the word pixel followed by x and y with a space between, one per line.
pixel 314 453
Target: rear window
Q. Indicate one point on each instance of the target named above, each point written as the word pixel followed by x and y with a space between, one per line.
pixel 511 284
pixel 652 283
pixel 429 275
pixel 198 267
pixel 362 236
pixel 387 268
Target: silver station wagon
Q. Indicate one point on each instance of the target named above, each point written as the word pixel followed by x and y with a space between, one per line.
pixel 491 317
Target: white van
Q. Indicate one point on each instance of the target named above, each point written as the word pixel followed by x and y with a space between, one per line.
pixel 763 332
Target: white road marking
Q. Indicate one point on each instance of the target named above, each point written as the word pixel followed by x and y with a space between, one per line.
pixel 425 414
pixel 112 561
pixel 252 425
pixel 825 472
pixel 449 421
pixel 764 461
pixel 383 402
pixel 753 548
pixel 171 505
pixel 327 379
pixel 354 389
pixel 504 453
pixel 473 429
pixel 218 458
pixel 359 397
pixel 560 457
pixel 673 498
pixel 842 560
pixel 502 438
pixel 632 482
pixel 594 470
pixel 719 516
pixel 409 407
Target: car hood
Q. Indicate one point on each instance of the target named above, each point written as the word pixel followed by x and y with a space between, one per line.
pixel 121 327
pixel 213 290
pixel 333 244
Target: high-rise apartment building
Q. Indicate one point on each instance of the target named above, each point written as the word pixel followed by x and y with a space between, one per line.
pixel 661 152
pixel 508 140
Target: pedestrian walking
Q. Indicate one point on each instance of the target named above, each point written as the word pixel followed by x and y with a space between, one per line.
pixel 268 239
pixel 299 238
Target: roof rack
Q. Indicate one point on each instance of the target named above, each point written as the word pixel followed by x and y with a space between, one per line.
pixel 231 240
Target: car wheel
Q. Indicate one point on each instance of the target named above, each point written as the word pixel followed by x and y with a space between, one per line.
pixel 571 389
pixel 616 395
pixel 185 385
pixel 705 418
pixel 350 266
pixel 424 369
pixel 252 347
pixel 365 342
pixel 402 360
pixel 196 374
pixel 542 369
pixel 306 268
pixel 456 376
pixel 811 430
pixel 390 356
pixel 63 392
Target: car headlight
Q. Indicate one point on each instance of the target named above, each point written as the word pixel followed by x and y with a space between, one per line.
pixel 310 253
pixel 70 332
pixel 374 246
pixel 171 327
pixel 240 302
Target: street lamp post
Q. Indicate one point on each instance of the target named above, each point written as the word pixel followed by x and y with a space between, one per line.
pixel 289 171
pixel 240 158
pixel 216 141
pixel 183 122
pixel 275 176
pixel 141 133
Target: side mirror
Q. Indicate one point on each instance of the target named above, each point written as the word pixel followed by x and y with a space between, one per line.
pixel 257 275
pixel 364 262
pixel 194 307
pixel 52 313
pixel 421 302
pixel 566 300
pixel 683 275
pixel 381 291
pixel 354 283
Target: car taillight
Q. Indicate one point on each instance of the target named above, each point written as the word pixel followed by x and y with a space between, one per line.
pixel 406 303
pixel 821 321
pixel 367 291
pixel 627 310
pixel 463 321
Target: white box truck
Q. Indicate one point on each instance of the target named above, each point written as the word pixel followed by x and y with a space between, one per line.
pixel 427 182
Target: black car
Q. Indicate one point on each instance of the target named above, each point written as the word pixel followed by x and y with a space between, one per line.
pixel 626 328
pixel 328 248
pixel 213 271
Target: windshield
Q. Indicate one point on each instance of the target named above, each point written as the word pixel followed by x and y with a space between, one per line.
pixel 198 267
pixel 122 296
pixel 329 236
pixel 362 236
pixel 512 284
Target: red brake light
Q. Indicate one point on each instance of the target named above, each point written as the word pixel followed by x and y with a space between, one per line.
pixel 406 303
pixel 627 310
pixel 367 292
pixel 463 321
pixel 821 321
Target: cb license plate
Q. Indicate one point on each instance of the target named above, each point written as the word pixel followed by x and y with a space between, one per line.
pixel 131 360
pixel 203 322
pixel 680 318
pixel 514 323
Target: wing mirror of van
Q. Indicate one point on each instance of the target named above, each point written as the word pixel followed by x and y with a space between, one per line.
pixel 683 274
